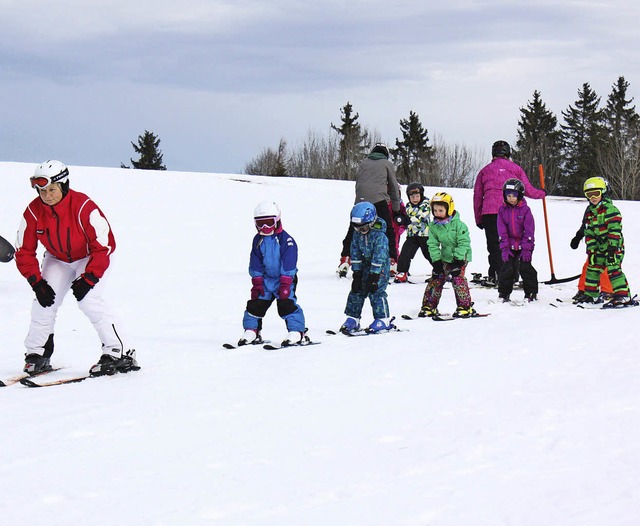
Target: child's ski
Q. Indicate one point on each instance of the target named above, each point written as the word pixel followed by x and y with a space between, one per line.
pixel 443 317
pixel 269 347
pixel 254 342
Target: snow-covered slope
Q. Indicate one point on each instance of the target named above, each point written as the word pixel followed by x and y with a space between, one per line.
pixel 527 417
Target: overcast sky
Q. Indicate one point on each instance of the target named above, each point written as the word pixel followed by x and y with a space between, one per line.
pixel 218 81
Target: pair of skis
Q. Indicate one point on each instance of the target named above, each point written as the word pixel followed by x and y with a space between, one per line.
pixel 267 346
pixel 446 317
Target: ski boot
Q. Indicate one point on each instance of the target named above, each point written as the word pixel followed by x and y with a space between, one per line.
pixel 585 298
pixel 401 277
pixel 532 296
pixel 250 337
pixel 109 364
pixel 36 364
pixel 504 299
pixel 343 267
pixel 393 269
pixel 428 312
pixel 295 338
pixel 464 312
pixel 350 326
pixel 618 302
pixel 379 325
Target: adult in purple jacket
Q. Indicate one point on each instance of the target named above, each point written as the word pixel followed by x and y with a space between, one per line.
pixel 516 231
pixel 487 198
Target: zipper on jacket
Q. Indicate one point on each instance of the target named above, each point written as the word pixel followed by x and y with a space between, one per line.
pixel 62 250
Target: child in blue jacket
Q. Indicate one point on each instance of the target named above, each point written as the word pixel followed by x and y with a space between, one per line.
pixel 273 271
pixel 370 263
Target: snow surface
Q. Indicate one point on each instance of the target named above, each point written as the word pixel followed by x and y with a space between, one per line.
pixel 527 417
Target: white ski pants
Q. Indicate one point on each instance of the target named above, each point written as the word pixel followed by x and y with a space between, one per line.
pixel 60 275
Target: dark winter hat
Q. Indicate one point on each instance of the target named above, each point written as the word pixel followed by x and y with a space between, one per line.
pixel 381 147
pixel 501 149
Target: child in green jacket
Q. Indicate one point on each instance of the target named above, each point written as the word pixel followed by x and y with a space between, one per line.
pixel 605 246
pixel 450 250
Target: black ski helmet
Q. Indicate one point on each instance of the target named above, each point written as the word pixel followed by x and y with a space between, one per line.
pixel 501 149
pixel 513 185
pixel 412 187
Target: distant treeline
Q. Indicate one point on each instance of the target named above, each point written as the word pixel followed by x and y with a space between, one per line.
pixel 591 140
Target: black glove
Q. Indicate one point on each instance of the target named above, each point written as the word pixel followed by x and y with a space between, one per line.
pixel 356 284
pixel 44 293
pixel 438 268
pixel 373 283
pixel 575 241
pixel 480 226
pixel 456 267
pixel 82 285
pixel 401 218
pixel 612 256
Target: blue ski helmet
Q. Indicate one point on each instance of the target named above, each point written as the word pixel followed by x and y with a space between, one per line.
pixel 363 215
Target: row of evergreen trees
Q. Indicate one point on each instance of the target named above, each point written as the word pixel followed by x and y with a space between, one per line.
pixel 591 140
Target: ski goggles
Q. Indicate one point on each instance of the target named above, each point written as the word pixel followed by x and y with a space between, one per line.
pixel 592 193
pixel 266 225
pixel 363 229
pixel 42 181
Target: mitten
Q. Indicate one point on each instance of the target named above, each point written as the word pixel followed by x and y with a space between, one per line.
pixel 373 283
pixel 83 284
pixel 438 268
pixel 44 293
pixel 356 284
pixel 257 289
pixel 456 268
pixel 525 255
pixel 400 218
pixel 575 241
pixel 506 254
pixel 285 287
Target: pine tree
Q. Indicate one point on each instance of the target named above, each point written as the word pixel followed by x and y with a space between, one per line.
pixel 539 142
pixel 582 137
pixel 150 154
pixel 413 153
pixel 619 158
pixel 352 143
pixel 270 162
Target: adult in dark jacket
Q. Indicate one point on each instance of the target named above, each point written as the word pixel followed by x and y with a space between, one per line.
pixel 487 198
pixel 376 183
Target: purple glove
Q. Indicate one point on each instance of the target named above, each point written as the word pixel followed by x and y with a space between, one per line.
pixel 258 287
pixel 506 254
pixel 285 287
pixel 525 255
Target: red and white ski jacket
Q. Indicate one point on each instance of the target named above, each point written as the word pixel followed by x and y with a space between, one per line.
pixel 71 230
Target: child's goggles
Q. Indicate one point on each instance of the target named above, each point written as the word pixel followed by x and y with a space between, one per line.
pixel 363 228
pixel 592 193
pixel 266 224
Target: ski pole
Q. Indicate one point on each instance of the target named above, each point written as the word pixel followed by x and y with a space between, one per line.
pixel 546 224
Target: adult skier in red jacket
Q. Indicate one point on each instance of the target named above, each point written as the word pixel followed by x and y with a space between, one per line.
pixel 78 244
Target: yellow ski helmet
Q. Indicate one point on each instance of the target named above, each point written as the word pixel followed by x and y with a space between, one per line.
pixel 443 198
pixel 595 183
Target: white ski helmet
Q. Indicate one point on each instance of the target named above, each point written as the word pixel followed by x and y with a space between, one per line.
pixel 51 172
pixel 267 217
